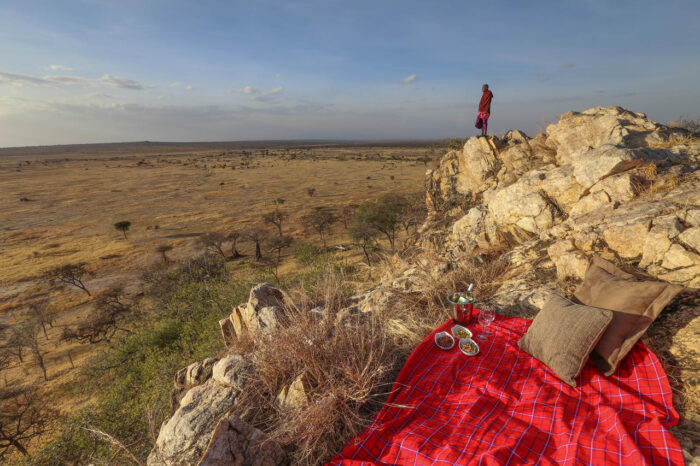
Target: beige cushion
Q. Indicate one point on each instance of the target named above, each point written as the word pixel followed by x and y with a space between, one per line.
pixel 563 334
pixel 636 302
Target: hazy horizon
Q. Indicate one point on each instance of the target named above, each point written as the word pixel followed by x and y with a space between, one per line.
pixel 92 71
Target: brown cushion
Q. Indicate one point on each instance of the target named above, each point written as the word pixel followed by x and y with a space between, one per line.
pixel 636 302
pixel 563 334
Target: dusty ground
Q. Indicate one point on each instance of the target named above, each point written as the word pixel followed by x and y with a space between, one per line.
pixel 58 206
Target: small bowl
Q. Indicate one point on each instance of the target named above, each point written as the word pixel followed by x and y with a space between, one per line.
pixel 452 341
pixel 465 340
pixel 457 328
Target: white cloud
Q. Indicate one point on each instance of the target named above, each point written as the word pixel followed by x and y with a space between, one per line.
pixel 122 83
pixel 409 79
pixel 274 91
pixel 176 84
pixel 97 95
pixel 20 79
pixel 277 75
pixel 268 95
pixel 65 80
pixel 189 88
pixel 249 90
pixel 60 68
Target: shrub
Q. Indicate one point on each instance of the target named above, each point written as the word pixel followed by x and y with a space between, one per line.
pixel 132 378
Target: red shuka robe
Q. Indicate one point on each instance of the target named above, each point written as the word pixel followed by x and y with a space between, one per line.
pixel 485 103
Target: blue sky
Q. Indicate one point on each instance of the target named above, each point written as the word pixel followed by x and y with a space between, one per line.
pixel 103 71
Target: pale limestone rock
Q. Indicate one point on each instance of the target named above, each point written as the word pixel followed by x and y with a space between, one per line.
pixel 560 185
pixel 263 311
pixel 627 240
pixel 597 164
pixel 468 227
pixel 477 163
pixel 678 257
pixel 235 442
pixel 230 371
pixel 658 240
pixel 195 374
pixel 515 202
pixel 655 246
pixel 293 396
pixel 239 323
pixel 264 295
pixel 575 133
pixel 184 437
pixel 618 187
pixel 271 317
pixel 569 261
pixel 691 238
pixel 590 203
pixel 536 300
pixel 228 331
pixel 693 217
pixel 584 240
pixel 516 161
pixel 688 276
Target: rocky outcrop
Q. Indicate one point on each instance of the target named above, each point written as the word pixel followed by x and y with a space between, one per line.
pixel 183 438
pixel 263 311
pixel 595 182
pixel 204 391
pixel 575 132
pixel 235 442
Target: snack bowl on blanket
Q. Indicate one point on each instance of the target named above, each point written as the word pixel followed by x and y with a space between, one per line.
pixel 461 332
pixel 444 340
pixel 468 346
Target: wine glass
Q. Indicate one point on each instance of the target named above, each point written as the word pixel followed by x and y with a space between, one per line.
pixel 486 316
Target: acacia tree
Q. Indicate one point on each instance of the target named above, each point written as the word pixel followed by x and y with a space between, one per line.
pixel 23 416
pixel 320 220
pixel 383 215
pixel 40 314
pixel 213 243
pixel 257 236
pixel 347 213
pixel 365 236
pixel 311 191
pixel 103 323
pixel 412 211
pixel 26 335
pixel 122 226
pixel 70 275
pixel 276 218
pixel 163 250
pixel 234 236
pixel 277 245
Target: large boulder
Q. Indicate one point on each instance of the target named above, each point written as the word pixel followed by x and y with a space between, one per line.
pixel 230 371
pixel 522 204
pixel 264 311
pixel 576 133
pixel 235 442
pixel 183 438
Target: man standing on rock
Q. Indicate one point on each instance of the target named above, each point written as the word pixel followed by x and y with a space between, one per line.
pixel 482 117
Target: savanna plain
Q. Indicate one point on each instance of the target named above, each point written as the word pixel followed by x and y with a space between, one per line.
pixel 84 228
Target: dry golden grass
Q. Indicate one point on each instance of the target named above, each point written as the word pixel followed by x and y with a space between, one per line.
pixel 58 206
pixel 348 360
pixel 678 139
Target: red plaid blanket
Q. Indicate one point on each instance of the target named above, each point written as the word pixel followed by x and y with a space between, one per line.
pixel 505 407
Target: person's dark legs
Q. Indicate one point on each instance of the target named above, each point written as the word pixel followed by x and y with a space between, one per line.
pixel 483 128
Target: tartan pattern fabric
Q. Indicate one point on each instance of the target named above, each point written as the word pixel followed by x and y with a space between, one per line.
pixel 503 406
